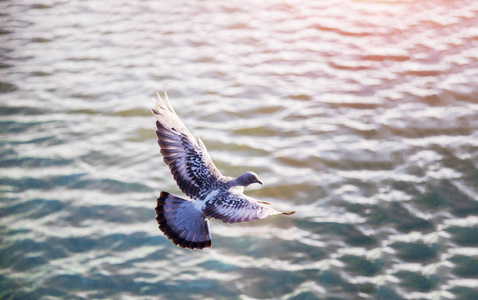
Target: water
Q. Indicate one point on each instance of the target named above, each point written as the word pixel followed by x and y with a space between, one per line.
pixel 360 115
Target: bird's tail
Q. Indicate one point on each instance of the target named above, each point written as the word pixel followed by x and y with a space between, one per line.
pixel 181 222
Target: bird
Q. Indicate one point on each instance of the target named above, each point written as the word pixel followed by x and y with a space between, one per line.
pixel 212 196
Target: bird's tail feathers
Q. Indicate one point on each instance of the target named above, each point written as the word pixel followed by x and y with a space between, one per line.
pixel 181 222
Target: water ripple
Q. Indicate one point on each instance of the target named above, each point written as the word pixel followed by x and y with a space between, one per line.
pixel 359 115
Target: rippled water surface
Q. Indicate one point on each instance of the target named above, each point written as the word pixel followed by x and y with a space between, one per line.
pixel 360 115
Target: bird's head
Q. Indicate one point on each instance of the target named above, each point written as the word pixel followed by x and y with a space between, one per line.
pixel 248 178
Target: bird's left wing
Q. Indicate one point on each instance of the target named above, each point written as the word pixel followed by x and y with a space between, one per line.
pixel 185 155
pixel 237 208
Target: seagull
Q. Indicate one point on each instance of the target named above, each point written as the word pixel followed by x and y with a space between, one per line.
pixel 186 222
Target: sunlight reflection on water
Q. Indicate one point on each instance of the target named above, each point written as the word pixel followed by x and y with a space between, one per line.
pixel 360 115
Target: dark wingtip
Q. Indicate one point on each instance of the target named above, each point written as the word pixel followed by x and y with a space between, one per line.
pixel 288 213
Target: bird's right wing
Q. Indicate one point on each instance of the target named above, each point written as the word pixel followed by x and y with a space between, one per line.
pixel 185 155
pixel 237 208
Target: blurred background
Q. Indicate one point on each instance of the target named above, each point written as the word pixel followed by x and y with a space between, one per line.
pixel 360 115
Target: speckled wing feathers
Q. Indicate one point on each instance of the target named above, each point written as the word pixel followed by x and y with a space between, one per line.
pixel 236 208
pixel 186 156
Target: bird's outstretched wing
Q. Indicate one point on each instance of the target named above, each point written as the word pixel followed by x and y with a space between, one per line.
pixel 185 155
pixel 237 208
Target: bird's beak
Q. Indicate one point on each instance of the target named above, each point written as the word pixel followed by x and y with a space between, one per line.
pixel 258 181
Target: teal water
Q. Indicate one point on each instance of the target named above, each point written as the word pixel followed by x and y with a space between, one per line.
pixel 360 115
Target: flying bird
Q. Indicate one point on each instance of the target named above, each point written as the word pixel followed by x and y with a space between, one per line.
pixel 186 222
